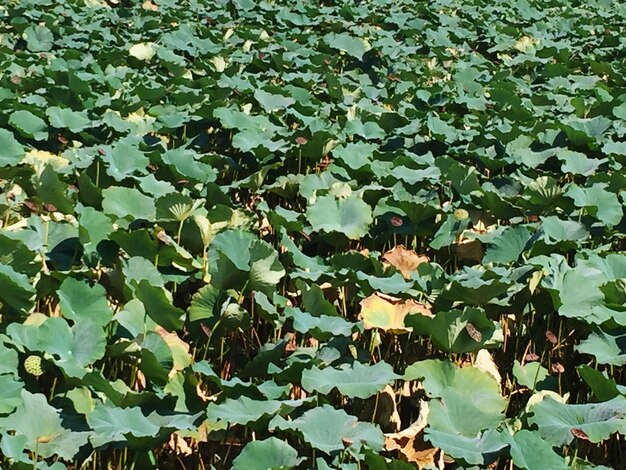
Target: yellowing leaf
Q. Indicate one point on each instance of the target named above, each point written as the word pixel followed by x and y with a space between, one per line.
pixel 524 43
pixel 388 313
pixel 38 159
pixel 142 50
pixel 148 5
pixel 485 362
pixel 219 63
pixel 180 350
pixel 405 261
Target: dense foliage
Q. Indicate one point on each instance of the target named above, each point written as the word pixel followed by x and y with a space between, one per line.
pixel 258 234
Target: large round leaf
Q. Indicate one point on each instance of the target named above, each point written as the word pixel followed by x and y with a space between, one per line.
pixel 329 430
pixel 42 427
pixel 469 399
pixel 11 151
pixel 529 451
pixel 477 450
pixel 350 216
pixel 266 455
pixel 560 423
pixel 359 380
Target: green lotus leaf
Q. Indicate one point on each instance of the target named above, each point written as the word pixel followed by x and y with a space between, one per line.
pixel 506 245
pixel 8 360
pixel 454 330
pixel 39 38
pixel 355 155
pixel 53 190
pixel 206 304
pixel 586 130
pixel 124 159
pixel 560 423
pixel 321 327
pixel 577 163
pixel 238 259
pixel 600 203
pixel 533 376
pixel 606 346
pixel 268 454
pixel 394 284
pixel 137 269
pixel 11 151
pixel 368 130
pixel 112 424
pixel 43 429
pixel 79 301
pixel 448 232
pixel 272 102
pixel 94 227
pixel 603 388
pixel 479 450
pixel 128 203
pixel 243 410
pixel 349 44
pixel 350 216
pixel 581 297
pixel 156 358
pixel 301 260
pixel 17 291
pixel 620 111
pixel 159 306
pixel 355 381
pixel 469 399
pixel 65 118
pixel 330 430
pixel 73 349
pixel 29 125
pixel 12 447
pixel 10 392
pixel 557 230
pixel 185 163
pixel 529 451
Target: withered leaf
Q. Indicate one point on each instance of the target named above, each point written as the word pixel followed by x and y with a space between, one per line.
pixel 405 261
pixel 388 313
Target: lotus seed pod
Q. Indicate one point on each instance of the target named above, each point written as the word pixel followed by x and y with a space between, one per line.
pixel 32 365
pixel 460 214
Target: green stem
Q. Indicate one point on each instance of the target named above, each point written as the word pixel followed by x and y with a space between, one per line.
pixel 180 231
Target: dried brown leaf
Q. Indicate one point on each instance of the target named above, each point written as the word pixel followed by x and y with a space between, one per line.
pixel 411 445
pixel 405 261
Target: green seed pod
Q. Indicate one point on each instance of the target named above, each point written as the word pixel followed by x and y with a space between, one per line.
pixel 32 365
pixel 460 214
